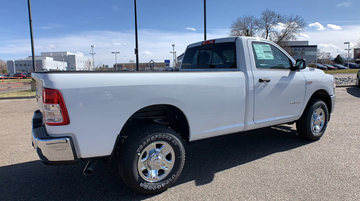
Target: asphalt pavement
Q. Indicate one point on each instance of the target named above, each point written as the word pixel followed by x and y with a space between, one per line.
pixel 266 164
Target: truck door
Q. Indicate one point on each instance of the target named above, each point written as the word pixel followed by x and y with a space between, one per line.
pixel 279 91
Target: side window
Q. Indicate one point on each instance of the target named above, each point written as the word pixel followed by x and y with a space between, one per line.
pixel 268 56
pixel 209 56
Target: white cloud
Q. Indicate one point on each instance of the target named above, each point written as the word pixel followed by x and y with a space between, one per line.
pixel 333 27
pixel 190 29
pixel 51 47
pixel 317 25
pixel 114 8
pixel 146 53
pixel 280 26
pixel 345 4
pixel 302 36
pixel 332 41
pixel 121 44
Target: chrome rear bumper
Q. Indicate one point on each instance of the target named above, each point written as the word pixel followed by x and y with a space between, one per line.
pixel 51 150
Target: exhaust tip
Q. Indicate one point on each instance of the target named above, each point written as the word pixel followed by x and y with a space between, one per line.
pixel 87 172
pixel 89 168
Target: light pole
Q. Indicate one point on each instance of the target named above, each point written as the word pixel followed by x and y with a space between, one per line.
pixel 93 53
pixel 348 43
pixel 136 39
pixel 204 20
pixel 115 58
pixel 31 37
pixel 14 65
pixel 174 55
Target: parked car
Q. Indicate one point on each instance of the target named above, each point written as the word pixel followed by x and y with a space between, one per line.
pixel 28 74
pixel 9 75
pixel 169 69
pixel 330 67
pixel 2 75
pixel 339 66
pixel 22 75
pixel 320 66
pixel 353 65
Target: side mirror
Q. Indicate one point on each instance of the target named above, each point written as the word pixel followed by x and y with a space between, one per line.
pixel 300 64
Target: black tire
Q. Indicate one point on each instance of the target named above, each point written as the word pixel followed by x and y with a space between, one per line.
pixel 357 81
pixel 148 143
pixel 311 129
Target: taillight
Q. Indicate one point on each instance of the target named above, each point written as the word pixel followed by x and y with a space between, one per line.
pixel 55 112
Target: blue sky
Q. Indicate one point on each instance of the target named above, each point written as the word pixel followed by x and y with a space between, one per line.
pixel 75 25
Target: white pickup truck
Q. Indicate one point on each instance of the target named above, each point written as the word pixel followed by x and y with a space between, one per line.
pixel 224 86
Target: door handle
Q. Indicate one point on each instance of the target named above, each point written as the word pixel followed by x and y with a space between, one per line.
pixel 264 80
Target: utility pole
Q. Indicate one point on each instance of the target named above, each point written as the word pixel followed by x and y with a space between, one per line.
pixel 93 53
pixel 348 43
pixel 32 37
pixel 204 20
pixel 174 56
pixel 136 40
pixel 115 59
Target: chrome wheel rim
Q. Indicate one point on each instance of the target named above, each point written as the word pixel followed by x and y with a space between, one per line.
pixel 318 120
pixel 156 161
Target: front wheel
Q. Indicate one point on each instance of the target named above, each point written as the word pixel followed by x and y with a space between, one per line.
pixel 151 159
pixel 313 122
pixel 357 81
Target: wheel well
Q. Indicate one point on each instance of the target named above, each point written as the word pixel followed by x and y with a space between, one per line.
pixel 167 115
pixel 323 95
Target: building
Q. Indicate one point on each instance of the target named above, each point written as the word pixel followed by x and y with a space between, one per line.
pixel 357 55
pixel 302 50
pixel 51 61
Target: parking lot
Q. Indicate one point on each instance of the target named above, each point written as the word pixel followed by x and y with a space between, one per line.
pixel 266 164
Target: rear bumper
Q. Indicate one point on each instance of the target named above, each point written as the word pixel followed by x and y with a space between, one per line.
pixel 51 150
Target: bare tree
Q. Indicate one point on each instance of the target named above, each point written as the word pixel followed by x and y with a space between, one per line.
pixel 357 44
pixel 268 21
pixel 288 29
pixel 271 25
pixel 322 57
pixel 3 66
pixel 244 26
pixel 88 64
pixel 347 54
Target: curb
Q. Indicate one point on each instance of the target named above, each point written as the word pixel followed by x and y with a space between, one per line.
pixel 22 97
pixel 340 86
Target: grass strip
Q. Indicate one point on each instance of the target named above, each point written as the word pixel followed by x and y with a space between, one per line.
pixel 341 71
pixel 25 93
pixel 15 80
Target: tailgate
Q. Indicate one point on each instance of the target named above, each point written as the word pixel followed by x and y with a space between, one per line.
pixel 39 89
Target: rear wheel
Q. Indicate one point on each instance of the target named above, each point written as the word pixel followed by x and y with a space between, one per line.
pixel 313 122
pixel 152 159
pixel 357 81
